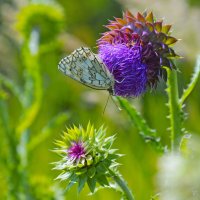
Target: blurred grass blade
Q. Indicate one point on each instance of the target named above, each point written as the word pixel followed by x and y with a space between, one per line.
pixel 146 132
pixel 4 117
pixel 12 87
pixel 48 129
pixel 33 83
pixel 192 83
pixel 12 163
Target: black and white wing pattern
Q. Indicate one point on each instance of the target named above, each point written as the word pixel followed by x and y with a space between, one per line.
pixel 84 66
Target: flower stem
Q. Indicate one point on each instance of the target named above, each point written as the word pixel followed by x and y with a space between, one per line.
pixel 174 109
pixel 122 184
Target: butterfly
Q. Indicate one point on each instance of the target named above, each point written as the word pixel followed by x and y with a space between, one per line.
pixel 86 67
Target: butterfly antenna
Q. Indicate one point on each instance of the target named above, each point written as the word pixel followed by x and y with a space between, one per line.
pixel 118 107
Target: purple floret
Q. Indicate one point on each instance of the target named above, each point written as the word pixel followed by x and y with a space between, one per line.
pixel 125 64
pixel 76 151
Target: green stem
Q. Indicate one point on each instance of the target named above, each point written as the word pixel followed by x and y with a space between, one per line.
pixel 12 158
pixel 122 184
pixel 174 109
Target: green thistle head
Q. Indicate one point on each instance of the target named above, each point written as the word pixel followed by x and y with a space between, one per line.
pixel 48 19
pixel 87 157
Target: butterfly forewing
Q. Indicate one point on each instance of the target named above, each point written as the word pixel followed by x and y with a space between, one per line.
pixel 85 66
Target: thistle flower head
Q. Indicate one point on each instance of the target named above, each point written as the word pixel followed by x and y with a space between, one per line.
pixel 135 49
pixel 87 157
pixel 48 19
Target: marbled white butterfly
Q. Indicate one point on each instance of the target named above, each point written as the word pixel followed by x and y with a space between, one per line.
pixel 84 66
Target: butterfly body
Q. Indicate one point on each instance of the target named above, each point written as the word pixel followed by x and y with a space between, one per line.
pixel 85 67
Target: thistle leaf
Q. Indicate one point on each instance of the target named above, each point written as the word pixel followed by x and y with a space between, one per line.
pixel 192 83
pixel 140 123
pixel 91 172
pixel 101 169
pixel 81 183
pixel 102 180
pixel 91 184
pixel 73 180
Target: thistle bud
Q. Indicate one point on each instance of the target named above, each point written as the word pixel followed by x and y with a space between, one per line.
pixel 87 157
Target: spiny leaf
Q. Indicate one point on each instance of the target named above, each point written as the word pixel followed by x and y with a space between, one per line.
pixel 81 183
pixel 192 83
pixel 64 176
pixel 102 180
pixel 140 122
pixel 71 183
pixel 91 172
pixel 91 184
pixel 135 116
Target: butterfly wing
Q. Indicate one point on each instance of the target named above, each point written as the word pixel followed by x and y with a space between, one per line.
pixel 85 66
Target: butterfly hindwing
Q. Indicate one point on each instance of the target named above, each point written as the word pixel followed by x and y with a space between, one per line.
pixel 85 66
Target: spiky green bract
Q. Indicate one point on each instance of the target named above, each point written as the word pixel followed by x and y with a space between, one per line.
pixel 94 160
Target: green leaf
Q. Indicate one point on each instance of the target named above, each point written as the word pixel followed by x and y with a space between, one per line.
pixel 91 184
pixel 64 176
pixel 91 172
pixel 102 180
pixel 73 180
pixel 101 169
pixel 112 157
pixel 81 183
pixel 81 171
pixel 192 83
pixel 109 142
pixel 136 118
pixel 149 135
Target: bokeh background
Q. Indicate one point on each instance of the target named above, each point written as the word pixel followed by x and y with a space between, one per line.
pixel 37 102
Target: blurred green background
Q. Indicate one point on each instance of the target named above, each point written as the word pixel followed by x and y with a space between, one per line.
pixel 37 102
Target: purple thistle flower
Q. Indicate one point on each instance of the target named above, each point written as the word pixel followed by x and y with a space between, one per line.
pixel 76 151
pixel 126 66
pixel 134 50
